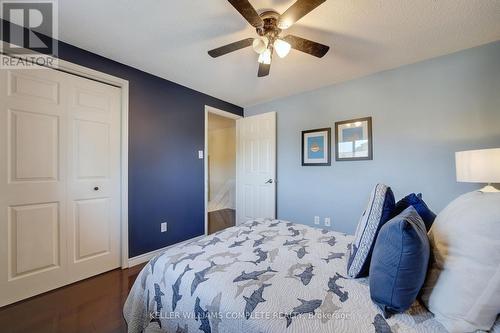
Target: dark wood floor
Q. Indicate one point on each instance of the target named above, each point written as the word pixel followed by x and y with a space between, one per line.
pixel 92 305
pixel 89 306
pixel 221 219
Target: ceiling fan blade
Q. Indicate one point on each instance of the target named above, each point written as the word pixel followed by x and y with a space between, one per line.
pixel 264 70
pixel 230 47
pixel 307 46
pixel 297 11
pixel 248 12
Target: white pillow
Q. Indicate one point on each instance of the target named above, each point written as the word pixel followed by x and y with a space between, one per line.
pixel 463 284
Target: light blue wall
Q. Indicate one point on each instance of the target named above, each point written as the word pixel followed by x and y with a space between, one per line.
pixel 422 114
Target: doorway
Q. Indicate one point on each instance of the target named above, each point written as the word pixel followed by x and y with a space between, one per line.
pixel 220 170
pixel 240 168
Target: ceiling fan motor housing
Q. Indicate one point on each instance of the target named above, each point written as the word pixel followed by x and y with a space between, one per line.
pixel 270 28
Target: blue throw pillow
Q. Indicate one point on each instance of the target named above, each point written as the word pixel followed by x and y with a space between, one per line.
pixel 399 262
pixel 379 210
pixel 420 206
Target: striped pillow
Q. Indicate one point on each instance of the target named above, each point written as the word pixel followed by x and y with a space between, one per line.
pixel 380 209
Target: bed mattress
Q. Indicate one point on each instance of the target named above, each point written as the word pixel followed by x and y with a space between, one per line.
pixel 261 276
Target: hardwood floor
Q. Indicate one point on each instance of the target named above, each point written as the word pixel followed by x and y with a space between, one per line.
pixel 91 305
pixel 221 219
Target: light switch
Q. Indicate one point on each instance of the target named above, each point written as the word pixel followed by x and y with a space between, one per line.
pixel 200 154
pixel 164 227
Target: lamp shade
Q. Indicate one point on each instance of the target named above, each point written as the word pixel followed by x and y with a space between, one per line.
pixel 478 166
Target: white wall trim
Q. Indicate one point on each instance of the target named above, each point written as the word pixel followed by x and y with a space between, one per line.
pixel 221 113
pixel 123 84
pixel 150 255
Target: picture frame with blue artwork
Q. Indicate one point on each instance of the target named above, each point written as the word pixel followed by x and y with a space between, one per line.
pixel 316 147
pixel 353 140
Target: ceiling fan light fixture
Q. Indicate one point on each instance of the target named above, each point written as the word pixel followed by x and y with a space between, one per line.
pixel 260 44
pixel 282 48
pixel 265 57
pixel 268 26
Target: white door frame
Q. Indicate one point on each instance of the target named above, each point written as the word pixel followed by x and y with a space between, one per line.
pixel 211 109
pixel 122 84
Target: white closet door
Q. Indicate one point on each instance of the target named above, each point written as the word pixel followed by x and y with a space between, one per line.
pixel 59 139
pixel 93 168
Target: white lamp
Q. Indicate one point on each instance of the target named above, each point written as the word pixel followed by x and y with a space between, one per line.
pixel 479 166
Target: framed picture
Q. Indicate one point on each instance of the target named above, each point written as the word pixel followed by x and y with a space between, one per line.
pixel 316 147
pixel 353 140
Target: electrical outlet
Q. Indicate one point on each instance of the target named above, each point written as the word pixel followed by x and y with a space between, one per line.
pixel 164 227
pixel 316 220
pixel 328 222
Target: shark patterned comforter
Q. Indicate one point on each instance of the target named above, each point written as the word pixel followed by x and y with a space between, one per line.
pixel 262 276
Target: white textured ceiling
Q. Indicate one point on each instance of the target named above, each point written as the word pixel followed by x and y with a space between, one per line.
pixel 171 39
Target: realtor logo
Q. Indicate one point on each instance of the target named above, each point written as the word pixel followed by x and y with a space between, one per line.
pixel 25 33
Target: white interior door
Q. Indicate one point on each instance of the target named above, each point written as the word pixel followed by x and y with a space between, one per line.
pixel 59 138
pixel 256 167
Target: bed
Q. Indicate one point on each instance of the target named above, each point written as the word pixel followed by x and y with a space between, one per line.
pixel 261 276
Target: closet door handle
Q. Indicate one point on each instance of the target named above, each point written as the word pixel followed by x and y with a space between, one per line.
pixel 96 188
pixel 269 181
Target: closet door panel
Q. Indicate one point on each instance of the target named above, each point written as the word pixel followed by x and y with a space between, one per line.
pixel 32 183
pixel 93 177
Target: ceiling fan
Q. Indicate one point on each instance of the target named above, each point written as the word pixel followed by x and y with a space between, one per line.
pixel 269 26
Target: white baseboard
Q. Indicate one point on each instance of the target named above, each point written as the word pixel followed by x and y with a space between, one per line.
pixel 150 255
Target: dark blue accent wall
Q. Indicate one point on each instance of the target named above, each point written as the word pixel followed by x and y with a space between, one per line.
pixel 166 130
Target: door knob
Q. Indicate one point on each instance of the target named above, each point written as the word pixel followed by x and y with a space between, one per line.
pixel 269 181
pixel 96 188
